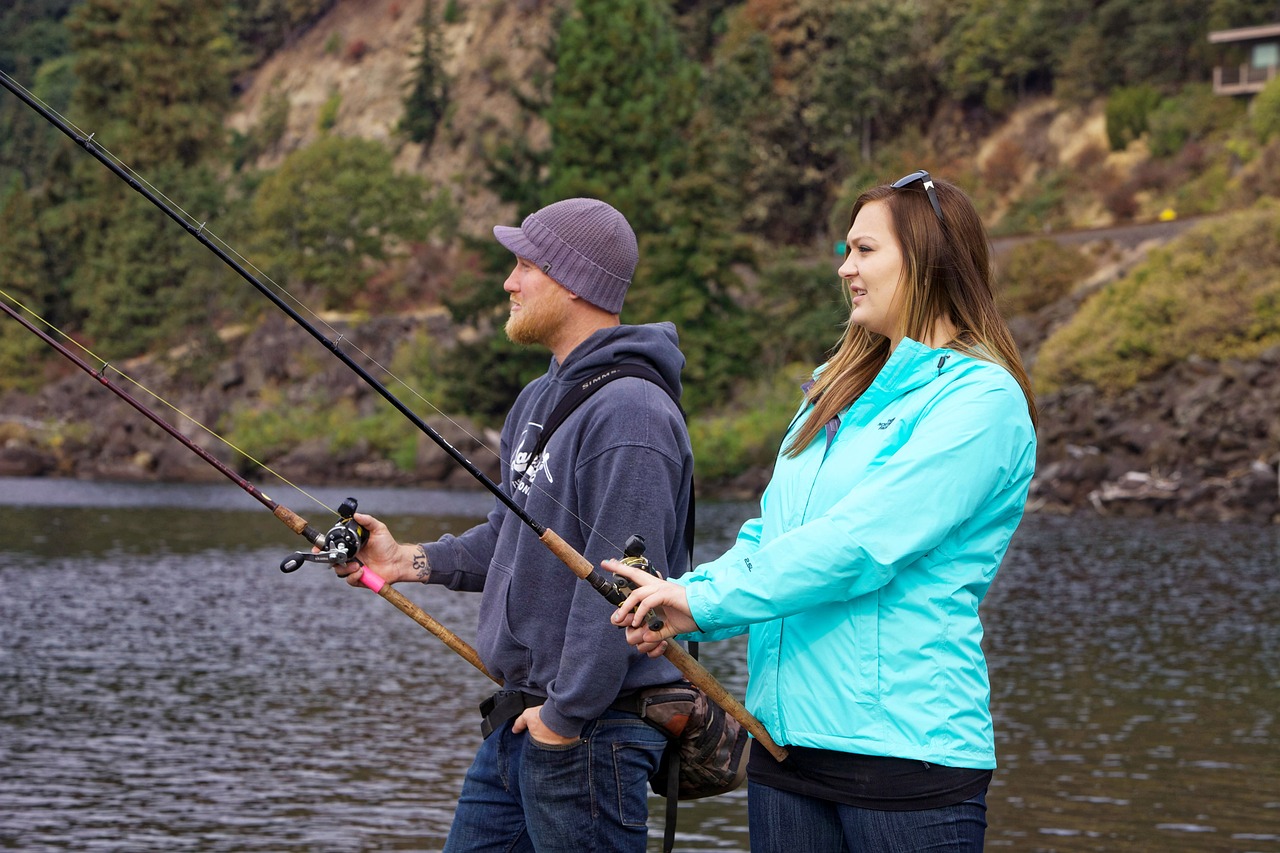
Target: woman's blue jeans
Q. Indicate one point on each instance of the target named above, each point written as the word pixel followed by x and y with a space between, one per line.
pixel 783 822
pixel 520 795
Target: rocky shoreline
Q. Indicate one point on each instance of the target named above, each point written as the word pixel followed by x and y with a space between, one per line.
pixel 74 428
pixel 1201 442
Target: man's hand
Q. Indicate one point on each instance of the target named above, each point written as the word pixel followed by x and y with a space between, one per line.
pixel 392 561
pixel 650 592
pixel 531 719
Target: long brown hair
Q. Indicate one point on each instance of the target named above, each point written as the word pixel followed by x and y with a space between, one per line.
pixel 946 273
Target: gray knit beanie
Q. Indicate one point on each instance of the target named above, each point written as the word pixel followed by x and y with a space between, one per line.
pixel 583 243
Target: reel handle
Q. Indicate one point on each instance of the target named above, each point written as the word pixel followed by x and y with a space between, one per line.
pixel 341 544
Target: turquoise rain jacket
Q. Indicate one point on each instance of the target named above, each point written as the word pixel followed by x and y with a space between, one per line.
pixel 861 579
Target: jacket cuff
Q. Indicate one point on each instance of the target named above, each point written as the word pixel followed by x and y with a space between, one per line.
pixel 558 723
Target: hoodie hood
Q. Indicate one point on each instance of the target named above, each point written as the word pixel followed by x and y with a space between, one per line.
pixel 655 344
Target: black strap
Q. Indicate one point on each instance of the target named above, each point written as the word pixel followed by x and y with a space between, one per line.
pixel 673 799
pixel 573 398
pixel 578 394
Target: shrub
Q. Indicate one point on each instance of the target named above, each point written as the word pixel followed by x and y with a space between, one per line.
pixel 747 435
pixel 1038 273
pixel 356 50
pixel 1265 116
pixel 1212 293
pixel 1191 116
pixel 276 427
pixel 1042 209
pixel 329 111
pixel 1127 113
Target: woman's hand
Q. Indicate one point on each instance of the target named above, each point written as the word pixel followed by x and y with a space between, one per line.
pixel 649 593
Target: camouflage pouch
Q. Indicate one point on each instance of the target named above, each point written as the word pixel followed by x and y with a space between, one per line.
pixel 706 747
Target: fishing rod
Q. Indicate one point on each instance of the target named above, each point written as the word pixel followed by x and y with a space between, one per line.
pixel 338 545
pixel 614 591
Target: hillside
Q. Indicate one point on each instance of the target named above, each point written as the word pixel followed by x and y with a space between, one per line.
pixel 1043 166
pixel 363 53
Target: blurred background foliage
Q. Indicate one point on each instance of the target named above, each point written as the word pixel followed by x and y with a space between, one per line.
pixel 732 133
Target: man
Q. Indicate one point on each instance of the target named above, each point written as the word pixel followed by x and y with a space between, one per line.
pixel 559 768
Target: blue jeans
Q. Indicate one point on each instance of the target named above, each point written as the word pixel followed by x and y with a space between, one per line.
pixel 782 821
pixel 520 795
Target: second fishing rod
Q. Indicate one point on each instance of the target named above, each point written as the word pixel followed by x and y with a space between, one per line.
pixel 340 543
pixel 689 667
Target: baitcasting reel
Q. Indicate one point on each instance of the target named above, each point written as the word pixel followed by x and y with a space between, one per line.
pixel 633 555
pixel 341 543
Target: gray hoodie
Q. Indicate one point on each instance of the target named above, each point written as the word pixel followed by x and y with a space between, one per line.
pixel 620 464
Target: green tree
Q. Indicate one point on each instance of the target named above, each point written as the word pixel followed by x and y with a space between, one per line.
pixel 24 282
pixel 153 82
pixel 262 26
pixel 154 73
pixel 993 52
pixel 334 211
pixel 33 50
pixel 1156 44
pixel 627 126
pixel 764 93
pixel 622 98
pixel 866 75
pixel 755 130
pixel 428 99
pixel 1264 116
pixel 1080 76
pixel 805 100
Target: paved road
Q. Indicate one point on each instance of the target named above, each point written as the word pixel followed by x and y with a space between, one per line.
pixel 1125 235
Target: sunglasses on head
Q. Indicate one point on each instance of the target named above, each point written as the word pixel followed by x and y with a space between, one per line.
pixel 922 176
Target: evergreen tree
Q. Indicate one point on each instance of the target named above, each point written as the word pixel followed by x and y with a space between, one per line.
pixel 758 126
pixel 33 47
pixel 622 98
pixel 153 85
pixel 428 99
pixel 24 281
pixel 1164 44
pixel 992 52
pixel 626 127
pixel 155 74
pixel 866 77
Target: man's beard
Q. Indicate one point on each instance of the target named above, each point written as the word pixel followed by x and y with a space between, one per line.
pixel 535 325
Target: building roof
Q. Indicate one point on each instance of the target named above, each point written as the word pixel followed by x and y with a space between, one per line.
pixel 1245 34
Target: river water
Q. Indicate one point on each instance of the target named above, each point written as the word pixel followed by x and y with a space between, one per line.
pixel 164 687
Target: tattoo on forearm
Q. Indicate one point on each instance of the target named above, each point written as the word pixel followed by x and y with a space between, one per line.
pixel 420 567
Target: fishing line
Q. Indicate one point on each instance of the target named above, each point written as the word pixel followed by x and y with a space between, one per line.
pixel 107 365
pixel 693 671
pixel 229 255
pixel 337 546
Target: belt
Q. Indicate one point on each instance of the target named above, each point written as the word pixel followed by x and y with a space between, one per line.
pixel 508 704
pixel 503 706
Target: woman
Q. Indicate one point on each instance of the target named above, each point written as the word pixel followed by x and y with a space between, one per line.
pixel 892 502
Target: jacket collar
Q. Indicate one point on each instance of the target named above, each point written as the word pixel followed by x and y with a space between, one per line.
pixel 910 365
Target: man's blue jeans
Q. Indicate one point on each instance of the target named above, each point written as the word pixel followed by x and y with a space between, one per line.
pixel 782 821
pixel 520 795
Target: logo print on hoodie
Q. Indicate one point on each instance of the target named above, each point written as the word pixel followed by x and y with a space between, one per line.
pixel 524 469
